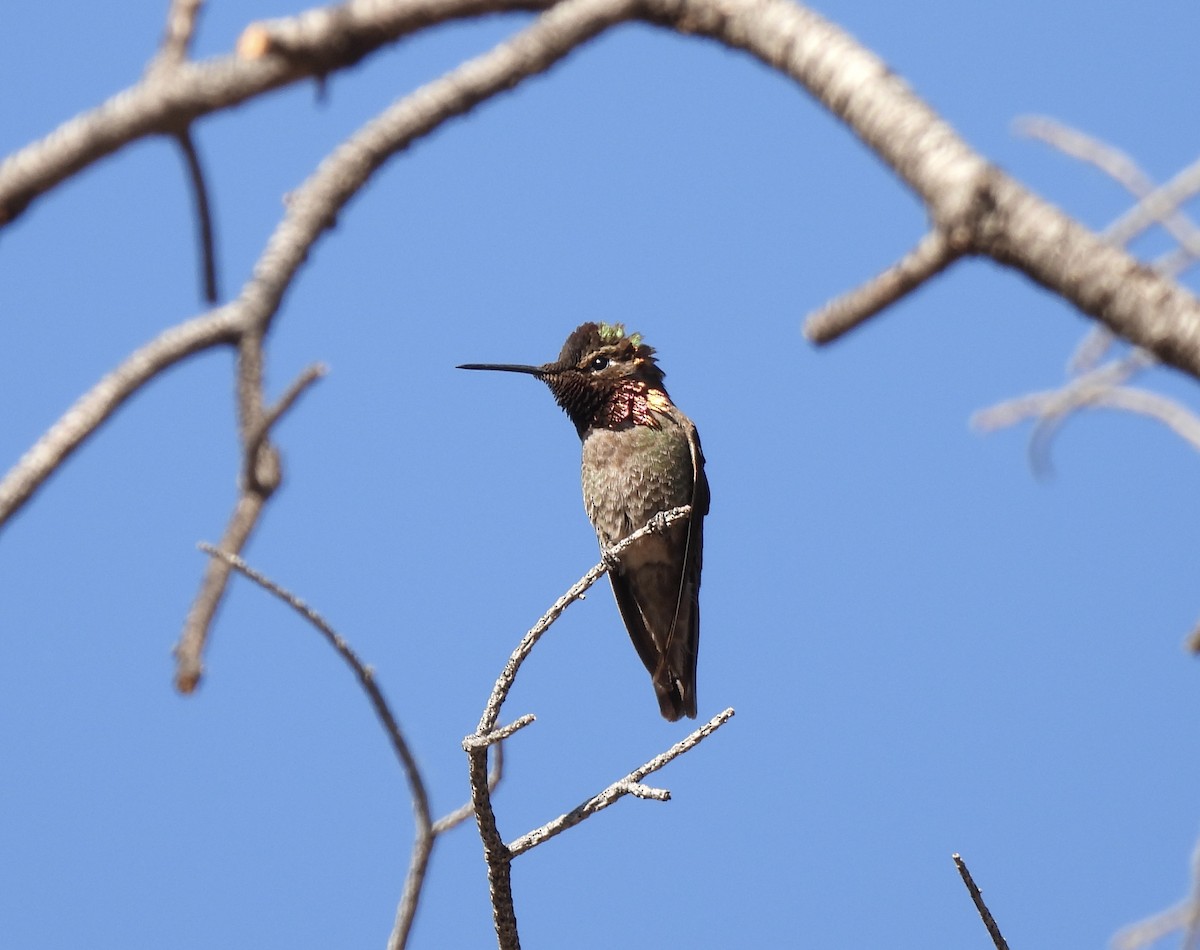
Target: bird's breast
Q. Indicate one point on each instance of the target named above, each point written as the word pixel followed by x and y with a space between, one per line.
pixel 632 473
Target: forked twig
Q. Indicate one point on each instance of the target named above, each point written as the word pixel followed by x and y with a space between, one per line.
pixel 261 476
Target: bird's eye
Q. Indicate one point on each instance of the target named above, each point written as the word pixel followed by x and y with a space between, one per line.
pixel 598 363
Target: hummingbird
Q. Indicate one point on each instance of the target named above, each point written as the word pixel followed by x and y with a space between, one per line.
pixel 641 456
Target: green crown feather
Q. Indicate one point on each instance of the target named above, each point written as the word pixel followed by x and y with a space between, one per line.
pixel 612 332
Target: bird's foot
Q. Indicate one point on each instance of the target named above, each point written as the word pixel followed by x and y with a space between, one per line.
pixel 657 524
pixel 611 561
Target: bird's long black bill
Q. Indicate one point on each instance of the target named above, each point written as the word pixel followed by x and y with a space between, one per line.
pixel 504 368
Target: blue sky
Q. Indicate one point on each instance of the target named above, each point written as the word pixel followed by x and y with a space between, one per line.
pixel 929 649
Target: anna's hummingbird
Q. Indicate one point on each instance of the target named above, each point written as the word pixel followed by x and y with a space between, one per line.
pixel 641 456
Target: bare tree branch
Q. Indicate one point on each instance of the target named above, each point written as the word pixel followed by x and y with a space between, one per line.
pixel 424 835
pixel 262 475
pixel 1099 389
pixel 491 712
pixel 1183 916
pixel 474 742
pixel 320 40
pixel 260 430
pixel 497 854
pixel 218 328
pixel 1155 206
pixel 984 914
pixel 931 256
pixel 629 785
pixel 981 209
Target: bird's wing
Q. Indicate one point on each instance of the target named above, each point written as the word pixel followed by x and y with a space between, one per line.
pixel 682 648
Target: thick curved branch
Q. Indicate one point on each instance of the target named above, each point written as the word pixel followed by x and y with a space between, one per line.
pixel 218 328
pixel 314 43
pixel 978 207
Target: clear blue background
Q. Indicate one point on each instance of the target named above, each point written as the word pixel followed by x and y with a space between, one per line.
pixel 929 649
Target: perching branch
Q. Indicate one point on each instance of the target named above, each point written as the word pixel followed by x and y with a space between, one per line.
pixel 499 855
pixel 504 683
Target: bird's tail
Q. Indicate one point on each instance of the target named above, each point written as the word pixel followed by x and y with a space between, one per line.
pixel 676 692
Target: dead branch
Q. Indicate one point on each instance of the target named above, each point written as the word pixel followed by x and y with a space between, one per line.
pixel 425 835
pixel 629 785
pixel 1184 916
pixel 498 855
pixel 1155 205
pixel 205 238
pixel 931 256
pixel 977 897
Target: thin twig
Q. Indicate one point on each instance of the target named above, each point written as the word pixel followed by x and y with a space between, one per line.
pixel 1183 916
pixel 264 474
pixel 424 834
pixel 1051 408
pixel 933 254
pixel 629 785
pixel 499 735
pixel 1126 172
pixel 263 427
pixel 1088 353
pixel 205 239
pixel 984 914
pixel 1153 928
pixel 177 38
pixel 1157 205
pixel 189 651
pixel 467 809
